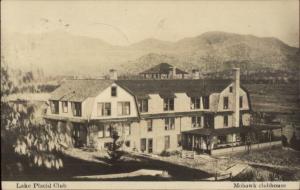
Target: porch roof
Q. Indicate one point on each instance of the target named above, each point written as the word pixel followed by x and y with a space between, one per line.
pixel 225 131
pixel 71 119
pixel 215 132
pixel 266 127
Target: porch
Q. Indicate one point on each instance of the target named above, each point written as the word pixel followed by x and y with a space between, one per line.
pixel 226 140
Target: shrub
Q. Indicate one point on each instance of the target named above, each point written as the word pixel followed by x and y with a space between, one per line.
pixel 114 151
pixel 165 153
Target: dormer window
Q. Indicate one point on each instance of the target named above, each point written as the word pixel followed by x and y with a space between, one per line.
pixel 206 102
pixel 76 108
pixel 113 91
pixel 195 103
pixel 143 105
pixel 54 106
pixel 168 104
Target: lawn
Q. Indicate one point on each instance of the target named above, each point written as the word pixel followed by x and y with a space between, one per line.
pixel 277 156
pixel 84 166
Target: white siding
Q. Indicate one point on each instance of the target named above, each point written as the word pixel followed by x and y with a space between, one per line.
pixel 122 96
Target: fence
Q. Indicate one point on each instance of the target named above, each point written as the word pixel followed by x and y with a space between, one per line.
pixel 245 148
pixel 188 154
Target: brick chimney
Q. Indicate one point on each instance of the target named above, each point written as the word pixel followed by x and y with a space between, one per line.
pixel 113 75
pixel 236 97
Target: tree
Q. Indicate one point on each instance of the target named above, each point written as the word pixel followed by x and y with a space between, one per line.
pixel 114 151
pixel 25 135
pixel 294 142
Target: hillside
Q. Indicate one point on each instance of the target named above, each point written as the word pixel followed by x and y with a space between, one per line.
pixel 62 53
pixel 218 51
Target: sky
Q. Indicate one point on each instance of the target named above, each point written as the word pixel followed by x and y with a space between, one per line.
pixel 127 22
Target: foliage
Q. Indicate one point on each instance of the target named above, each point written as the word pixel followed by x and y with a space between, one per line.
pixel 265 174
pixel 274 156
pixel 166 153
pixel 294 142
pixel 284 140
pixel 25 134
pixel 114 151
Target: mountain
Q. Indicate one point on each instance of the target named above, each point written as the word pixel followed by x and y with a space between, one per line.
pixel 66 54
pixel 218 51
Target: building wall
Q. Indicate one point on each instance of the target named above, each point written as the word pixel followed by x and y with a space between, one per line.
pixel 182 103
pixel 140 131
pixel 227 93
pixel 246 119
pixel 122 95
pixel 219 121
pixel 85 107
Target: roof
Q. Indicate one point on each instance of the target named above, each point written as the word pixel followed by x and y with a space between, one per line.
pixel 221 131
pixel 225 131
pixel 193 87
pixel 79 90
pixel 163 68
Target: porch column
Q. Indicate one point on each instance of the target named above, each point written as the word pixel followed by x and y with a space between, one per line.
pixel 232 142
pixel 193 141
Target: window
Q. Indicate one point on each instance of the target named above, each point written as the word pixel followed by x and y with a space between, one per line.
pixel 206 102
pixel 143 105
pixel 179 140
pixel 168 104
pixel 167 142
pixel 76 108
pixel 65 106
pixel 149 125
pixel 143 144
pixel 222 140
pixel 150 145
pixel 126 129
pixel 169 123
pixel 107 130
pixel 230 89
pixel 208 121
pixel 225 103
pixel 195 103
pixel 241 101
pixel 101 132
pixel 225 120
pixel 123 108
pixel 104 109
pixel 114 91
pixel 196 121
pixel 54 107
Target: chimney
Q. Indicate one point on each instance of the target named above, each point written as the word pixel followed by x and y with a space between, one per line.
pixel 195 74
pixel 113 75
pixel 236 97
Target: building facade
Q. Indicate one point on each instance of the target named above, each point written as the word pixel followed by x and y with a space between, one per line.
pixel 164 71
pixel 151 116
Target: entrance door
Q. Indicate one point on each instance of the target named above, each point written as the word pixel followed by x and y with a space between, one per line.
pixel 143 145
pixel 79 135
pixel 150 145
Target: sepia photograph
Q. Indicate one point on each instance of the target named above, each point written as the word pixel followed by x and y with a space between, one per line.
pixel 204 92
